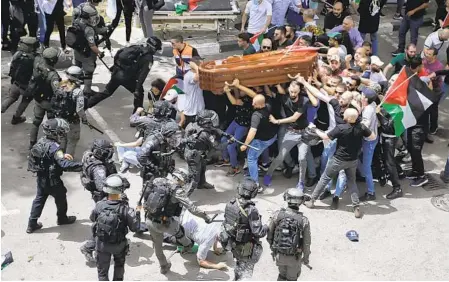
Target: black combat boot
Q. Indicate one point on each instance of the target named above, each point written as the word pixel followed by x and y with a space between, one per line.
pixel 165 268
pixel 281 278
pixel 67 220
pixel 396 193
pixel 334 204
pixel 17 120
pixel 33 225
pixel 206 185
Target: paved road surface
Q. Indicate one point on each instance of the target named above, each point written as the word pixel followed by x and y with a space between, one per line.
pixel 401 239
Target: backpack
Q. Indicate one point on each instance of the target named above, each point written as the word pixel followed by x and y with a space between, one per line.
pixel 63 105
pixel 288 236
pixel 21 69
pixel 128 57
pixel 158 201
pixel 109 225
pixel 38 157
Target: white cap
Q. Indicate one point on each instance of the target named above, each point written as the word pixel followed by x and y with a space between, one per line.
pixel 171 95
pixel 376 61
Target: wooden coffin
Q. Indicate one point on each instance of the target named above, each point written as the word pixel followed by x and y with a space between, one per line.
pixel 258 69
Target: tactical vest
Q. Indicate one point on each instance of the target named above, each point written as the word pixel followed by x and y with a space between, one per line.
pixel 41 75
pixel 89 164
pixel 170 208
pixel 288 234
pixel 127 58
pixel 76 39
pixel 21 69
pixel 236 222
pixel 41 158
pixel 64 104
pixel 199 139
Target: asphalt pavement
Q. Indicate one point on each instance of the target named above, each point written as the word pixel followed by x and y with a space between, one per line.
pixel 402 239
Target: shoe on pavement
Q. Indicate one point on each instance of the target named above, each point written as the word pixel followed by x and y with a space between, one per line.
pixel 165 268
pixel 87 255
pixel 334 205
pixel 33 227
pixel 397 17
pixel 434 132
pixel 206 185
pixel 68 220
pixel 325 194
pixel 420 181
pixel 429 139
pixel 233 171
pixel 382 181
pixel 357 212
pixel 396 193
pixel 311 181
pixel 267 180
pixel 264 167
pixel 368 197
pixel 401 175
pixel 397 52
pixel 222 163
pixel 444 178
pixel 288 172
pixel 17 120
pixel 309 204
pixel 412 175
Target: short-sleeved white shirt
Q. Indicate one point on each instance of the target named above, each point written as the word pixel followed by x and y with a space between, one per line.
pixel 257 15
pixel 193 101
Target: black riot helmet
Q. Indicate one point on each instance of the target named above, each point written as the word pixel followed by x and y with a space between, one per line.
pixel 294 197
pixel 55 128
pixel 161 109
pixel 51 55
pixel 102 149
pixel 310 137
pixel 155 43
pixel 172 133
pixel 89 13
pixel 207 118
pixel 247 188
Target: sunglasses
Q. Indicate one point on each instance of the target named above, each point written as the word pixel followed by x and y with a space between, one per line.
pixel 266 47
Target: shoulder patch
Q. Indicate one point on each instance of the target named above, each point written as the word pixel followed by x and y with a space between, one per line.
pixel 59 154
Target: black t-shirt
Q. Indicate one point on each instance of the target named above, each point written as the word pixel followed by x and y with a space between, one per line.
pixel 260 120
pixel 299 106
pixel 331 21
pixel 368 23
pixel 413 4
pixel 349 140
pixel 283 45
pixel 243 113
pixel 338 115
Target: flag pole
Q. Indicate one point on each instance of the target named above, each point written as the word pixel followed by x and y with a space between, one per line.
pixel 289 48
pixel 397 87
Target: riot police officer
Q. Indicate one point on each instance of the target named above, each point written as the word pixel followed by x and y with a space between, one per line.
pixel 289 237
pixel 154 121
pixel 200 138
pixel 43 84
pixel 86 48
pixel 97 165
pixel 20 72
pixel 164 200
pixel 155 157
pixel 242 229
pixel 112 218
pixel 131 67
pixel 48 161
pixel 68 103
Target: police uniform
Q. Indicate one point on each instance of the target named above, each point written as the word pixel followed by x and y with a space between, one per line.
pixel 198 142
pixel 167 223
pixel 131 67
pixel 43 84
pixel 68 103
pixel 288 258
pixel 151 123
pixel 242 229
pixel 47 160
pixel 21 72
pixel 112 219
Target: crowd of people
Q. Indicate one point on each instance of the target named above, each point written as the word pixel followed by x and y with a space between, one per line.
pixel 328 126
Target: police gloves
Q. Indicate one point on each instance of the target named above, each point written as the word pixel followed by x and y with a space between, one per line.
pixel 209 219
pixel 101 55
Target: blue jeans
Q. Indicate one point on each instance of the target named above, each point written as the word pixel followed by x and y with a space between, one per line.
pixel 129 154
pixel 42 25
pixel 230 152
pixel 374 42
pixel 328 153
pixel 311 169
pixel 253 156
pixel 409 24
pixel 445 92
pixel 364 167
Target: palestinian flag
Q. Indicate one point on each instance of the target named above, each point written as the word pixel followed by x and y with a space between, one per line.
pixel 446 21
pixel 256 41
pixel 407 99
pixel 173 83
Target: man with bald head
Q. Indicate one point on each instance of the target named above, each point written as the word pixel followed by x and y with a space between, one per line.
pixel 349 144
pixel 354 35
pixel 260 136
pixel 336 17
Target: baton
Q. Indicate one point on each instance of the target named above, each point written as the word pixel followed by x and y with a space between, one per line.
pixel 104 63
pixel 94 128
pixel 241 143
pixel 308 266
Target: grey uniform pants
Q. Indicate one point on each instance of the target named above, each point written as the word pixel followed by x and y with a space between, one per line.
pixel 197 167
pixel 68 143
pixel 333 168
pixel 146 20
pixel 14 94
pixel 289 267
pixel 157 230
pixel 291 139
pixel 104 254
pixel 244 266
pixel 88 64
pixel 40 109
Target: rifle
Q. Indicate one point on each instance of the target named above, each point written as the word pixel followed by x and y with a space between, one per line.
pixel 93 127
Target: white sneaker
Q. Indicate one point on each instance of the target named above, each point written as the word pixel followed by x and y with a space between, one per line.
pixel 127 44
pixel 316 17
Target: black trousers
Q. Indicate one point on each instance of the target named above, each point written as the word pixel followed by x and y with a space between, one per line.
pixel 433 116
pixel 189 119
pixel 128 9
pixel 5 21
pixel 104 262
pixel 44 189
pixel 415 141
pixel 57 17
pixel 393 167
